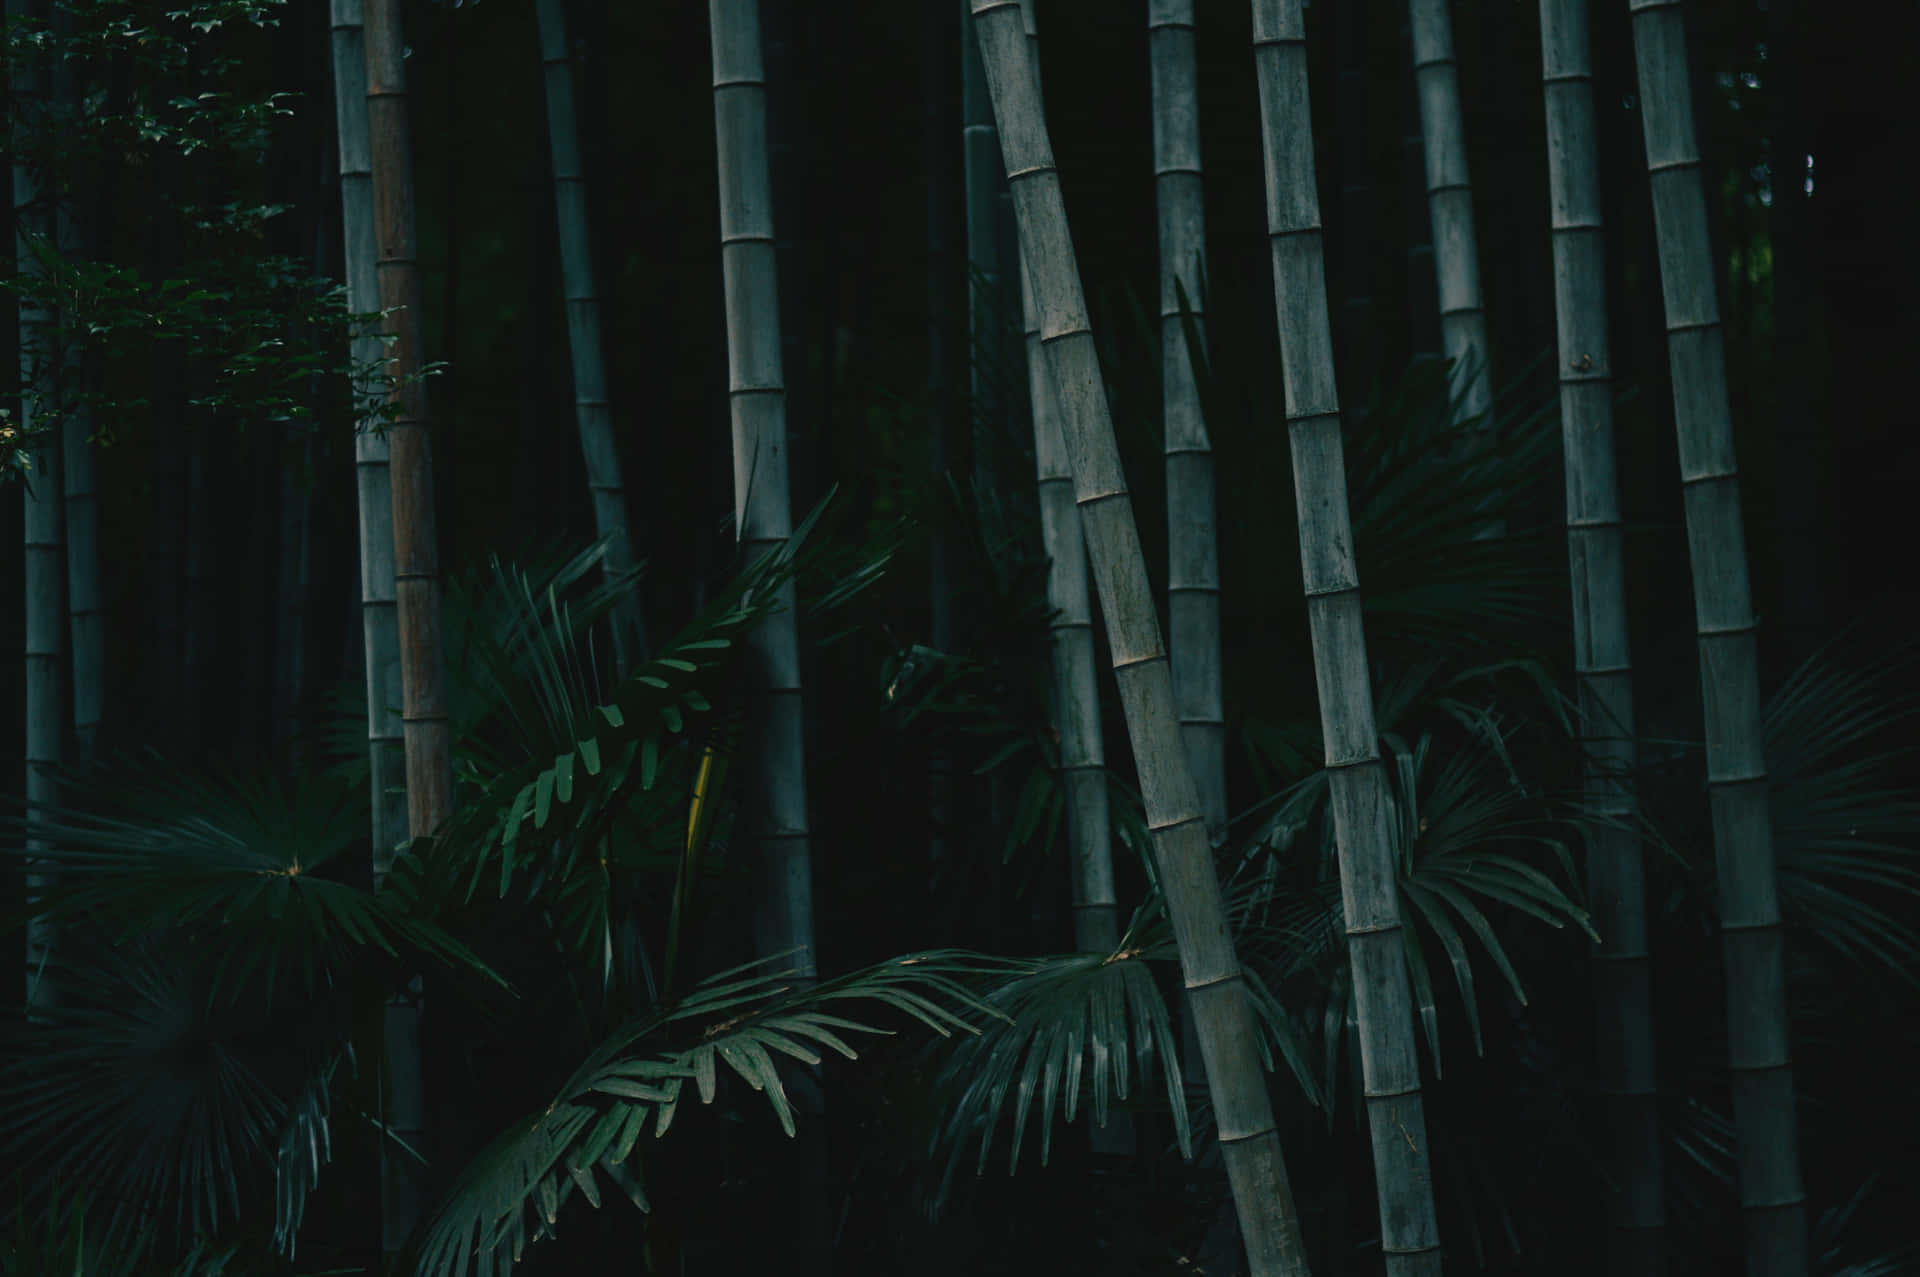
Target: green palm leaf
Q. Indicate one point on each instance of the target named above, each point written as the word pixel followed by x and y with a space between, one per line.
pixel 1101 1017
pixel 170 1101
pixel 512 1192
pixel 1843 820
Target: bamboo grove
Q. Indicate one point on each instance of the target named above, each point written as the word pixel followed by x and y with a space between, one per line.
pixel 1293 612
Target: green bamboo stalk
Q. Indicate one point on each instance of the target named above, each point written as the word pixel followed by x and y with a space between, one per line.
pixel 592 413
pixel 1249 1143
pixel 1766 1131
pixel 764 521
pixel 1193 559
pixel 1602 659
pixel 1456 249
pixel 1369 885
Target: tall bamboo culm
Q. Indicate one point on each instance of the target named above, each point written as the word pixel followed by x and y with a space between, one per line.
pixel 416 558
pixel 1602 661
pixel 1076 690
pixel 1369 886
pixel 43 541
pixel 80 513
pixel 775 785
pixel 1765 1127
pixel 980 173
pixel 1249 1142
pixel 1456 249
pixel 1193 559
pixel 777 791
pixel 592 413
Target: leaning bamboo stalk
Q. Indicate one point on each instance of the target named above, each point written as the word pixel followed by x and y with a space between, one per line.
pixel 1765 1128
pixel 1456 248
pixel 1076 690
pixel 592 413
pixel 756 394
pixel 1602 659
pixel 1369 885
pixel 1249 1143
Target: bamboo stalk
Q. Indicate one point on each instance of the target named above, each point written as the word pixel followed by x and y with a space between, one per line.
pixel 1456 248
pixel 1076 692
pixel 593 417
pixel 1766 1132
pixel 1602 659
pixel 1249 1142
pixel 1369 884
pixel 42 550
pixel 757 399
pixel 416 561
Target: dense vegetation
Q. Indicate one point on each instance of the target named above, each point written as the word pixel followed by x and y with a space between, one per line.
pixel 199 1077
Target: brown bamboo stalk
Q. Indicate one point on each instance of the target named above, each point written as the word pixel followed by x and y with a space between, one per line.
pixel 416 557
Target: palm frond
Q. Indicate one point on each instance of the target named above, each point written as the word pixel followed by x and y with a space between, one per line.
pixel 170 1103
pixel 512 1192
pixel 1097 1015
pixel 1465 834
pixel 1844 821
pixel 243 862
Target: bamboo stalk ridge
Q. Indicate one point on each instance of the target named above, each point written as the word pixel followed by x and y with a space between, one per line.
pixel 593 416
pixel 1602 659
pixel 1369 884
pixel 1456 248
pixel 1249 1142
pixel 1766 1131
